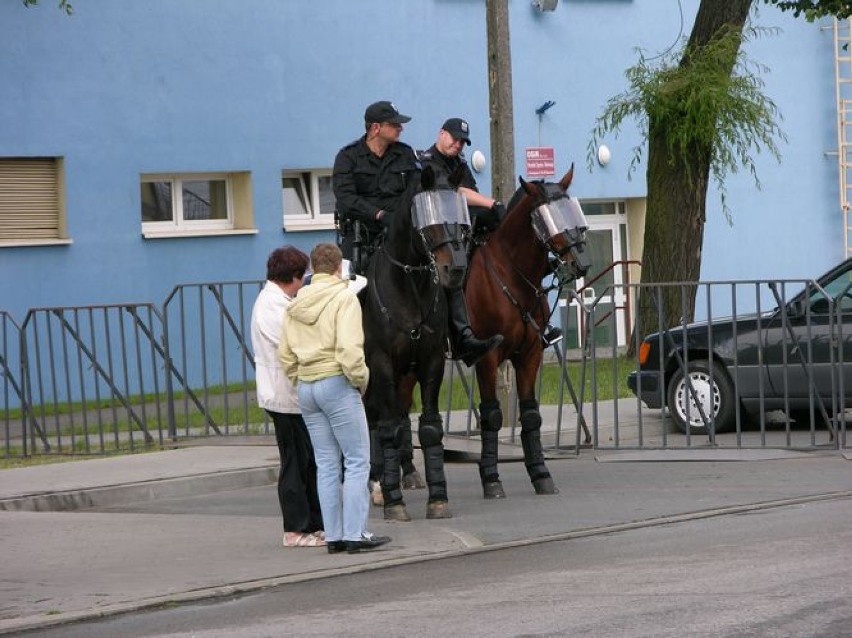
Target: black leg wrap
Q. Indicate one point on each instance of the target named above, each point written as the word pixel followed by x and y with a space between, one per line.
pixel 431 434
pixel 491 420
pixel 388 436
pixel 531 440
pixel 377 464
pixel 406 447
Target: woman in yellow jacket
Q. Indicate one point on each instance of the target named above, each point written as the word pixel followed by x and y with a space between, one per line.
pixel 322 351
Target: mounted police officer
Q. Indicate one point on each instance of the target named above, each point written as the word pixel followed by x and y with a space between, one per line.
pixel 445 156
pixel 369 176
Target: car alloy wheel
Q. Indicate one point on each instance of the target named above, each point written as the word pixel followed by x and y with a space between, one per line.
pixel 716 400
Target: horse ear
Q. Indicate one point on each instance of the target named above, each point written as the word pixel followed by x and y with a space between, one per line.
pixel 566 180
pixel 457 176
pixel 530 190
pixel 427 178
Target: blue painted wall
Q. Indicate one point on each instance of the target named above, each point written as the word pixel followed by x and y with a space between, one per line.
pixel 126 87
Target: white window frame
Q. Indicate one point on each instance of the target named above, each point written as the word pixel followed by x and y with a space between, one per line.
pixel 178 226
pixel 313 218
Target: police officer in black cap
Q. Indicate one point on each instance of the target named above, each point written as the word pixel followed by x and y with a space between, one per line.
pixel 369 174
pixel 445 156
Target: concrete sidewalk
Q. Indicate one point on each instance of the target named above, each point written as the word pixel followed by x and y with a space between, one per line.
pixel 133 537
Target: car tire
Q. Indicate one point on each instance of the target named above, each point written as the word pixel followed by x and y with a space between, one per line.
pixel 722 398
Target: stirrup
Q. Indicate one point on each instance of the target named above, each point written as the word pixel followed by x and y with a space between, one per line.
pixel 552 335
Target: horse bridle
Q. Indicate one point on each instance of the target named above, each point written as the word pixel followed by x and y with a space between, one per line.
pixel 541 221
pixel 551 193
pixel 413 333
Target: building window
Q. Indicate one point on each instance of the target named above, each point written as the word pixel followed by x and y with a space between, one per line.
pixel 308 200
pixel 195 204
pixel 591 207
pixel 32 201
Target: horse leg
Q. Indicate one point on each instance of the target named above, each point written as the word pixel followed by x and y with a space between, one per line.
pixel 431 434
pixel 389 438
pixel 491 420
pixel 377 469
pixel 410 476
pixel 411 479
pixel 533 451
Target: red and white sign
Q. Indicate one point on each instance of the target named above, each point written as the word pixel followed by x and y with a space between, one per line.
pixel 540 162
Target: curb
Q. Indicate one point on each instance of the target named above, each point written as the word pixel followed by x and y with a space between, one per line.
pixel 31 623
pixel 142 491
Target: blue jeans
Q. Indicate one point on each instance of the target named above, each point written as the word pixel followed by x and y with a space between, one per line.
pixel 334 414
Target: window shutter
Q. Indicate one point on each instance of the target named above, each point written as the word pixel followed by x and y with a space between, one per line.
pixel 29 199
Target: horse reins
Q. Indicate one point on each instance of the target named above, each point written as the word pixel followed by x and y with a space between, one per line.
pixel 415 332
pixel 526 315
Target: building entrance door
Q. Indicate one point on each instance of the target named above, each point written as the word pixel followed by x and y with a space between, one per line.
pixel 602 287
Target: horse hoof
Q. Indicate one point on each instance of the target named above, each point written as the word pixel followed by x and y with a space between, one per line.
pixel 413 481
pixel 493 489
pixel 397 513
pixel 438 509
pixel 376 496
pixel 545 486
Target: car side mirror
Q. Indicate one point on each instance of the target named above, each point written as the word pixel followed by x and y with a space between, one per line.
pixel 798 308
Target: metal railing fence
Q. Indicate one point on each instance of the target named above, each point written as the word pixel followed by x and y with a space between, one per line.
pixel 94 379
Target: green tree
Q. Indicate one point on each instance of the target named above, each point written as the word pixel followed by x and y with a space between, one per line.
pixel 701 117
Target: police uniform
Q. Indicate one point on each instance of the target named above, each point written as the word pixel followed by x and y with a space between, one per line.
pixel 483 218
pixel 465 344
pixel 364 184
pixel 445 166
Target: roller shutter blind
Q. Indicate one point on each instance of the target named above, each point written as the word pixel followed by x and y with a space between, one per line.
pixel 29 199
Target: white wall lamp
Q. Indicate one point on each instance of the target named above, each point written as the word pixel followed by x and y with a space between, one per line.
pixel 477 161
pixel 545 5
pixel 604 155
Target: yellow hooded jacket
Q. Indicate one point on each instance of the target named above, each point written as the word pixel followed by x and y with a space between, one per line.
pixel 323 335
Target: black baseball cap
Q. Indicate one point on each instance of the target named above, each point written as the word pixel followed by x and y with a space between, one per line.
pixel 384 111
pixel 458 128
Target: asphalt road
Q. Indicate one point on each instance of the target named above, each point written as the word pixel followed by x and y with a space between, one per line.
pixel 785 571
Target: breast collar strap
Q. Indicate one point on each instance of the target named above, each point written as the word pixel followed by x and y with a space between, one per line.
pixel 415 332
pixel 526 315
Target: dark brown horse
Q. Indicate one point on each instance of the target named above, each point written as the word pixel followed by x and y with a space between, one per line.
pixel 543 233
pixel 405 328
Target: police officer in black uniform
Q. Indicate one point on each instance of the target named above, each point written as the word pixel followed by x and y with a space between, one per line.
pixel 369 175
pixel 445 156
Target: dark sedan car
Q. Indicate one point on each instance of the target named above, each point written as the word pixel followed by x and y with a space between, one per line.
pixel 787 359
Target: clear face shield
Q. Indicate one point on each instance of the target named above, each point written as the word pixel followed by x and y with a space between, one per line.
pixel 561 226
pixel 439 207
pixel 443 221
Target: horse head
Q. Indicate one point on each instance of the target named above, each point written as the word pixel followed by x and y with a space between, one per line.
pixel 442 221
pixel 558 223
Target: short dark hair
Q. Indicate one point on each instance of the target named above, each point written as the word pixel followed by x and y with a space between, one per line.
pixel 285 263
pixel 326 258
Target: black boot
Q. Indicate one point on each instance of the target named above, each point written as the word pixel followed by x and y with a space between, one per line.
pixel 465 344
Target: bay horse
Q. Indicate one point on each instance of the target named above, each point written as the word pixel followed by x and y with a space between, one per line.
pixel 405 332
pixel 543 232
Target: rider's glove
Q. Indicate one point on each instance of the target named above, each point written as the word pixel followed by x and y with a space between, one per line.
pixel 499 211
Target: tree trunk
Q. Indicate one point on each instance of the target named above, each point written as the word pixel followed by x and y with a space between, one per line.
pixel 677 197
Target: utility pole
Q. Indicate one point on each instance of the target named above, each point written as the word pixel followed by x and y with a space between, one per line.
pixel 502 150
pixel 500 100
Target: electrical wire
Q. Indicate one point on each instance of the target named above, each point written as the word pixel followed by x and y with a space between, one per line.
pixel 677 39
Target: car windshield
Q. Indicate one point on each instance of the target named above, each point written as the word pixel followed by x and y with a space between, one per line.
pixel 839 289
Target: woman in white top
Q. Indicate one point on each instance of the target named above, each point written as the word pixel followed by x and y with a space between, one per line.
pixel 297 479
